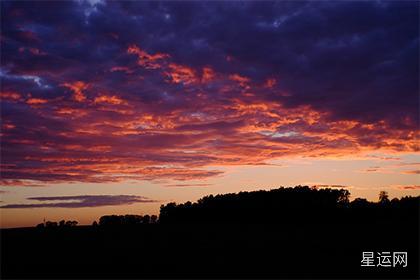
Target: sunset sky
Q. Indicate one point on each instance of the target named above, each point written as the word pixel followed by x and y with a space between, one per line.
pixel 119 107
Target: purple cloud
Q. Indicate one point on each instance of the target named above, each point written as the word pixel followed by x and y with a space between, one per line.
pixel 142 90
pixel 82 201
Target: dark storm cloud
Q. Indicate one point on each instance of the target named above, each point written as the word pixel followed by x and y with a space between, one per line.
pixel 102 91
pixel 356 60
pixel 81 201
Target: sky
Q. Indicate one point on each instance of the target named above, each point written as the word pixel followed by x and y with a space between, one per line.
pixel 119 107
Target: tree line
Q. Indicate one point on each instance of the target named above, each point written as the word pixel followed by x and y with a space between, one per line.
pixel 283 205
pixel 301 204
pixel 61 224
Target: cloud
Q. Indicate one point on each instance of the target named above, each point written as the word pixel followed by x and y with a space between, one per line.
pixel 7 95
pixel 78 89
pixel 146 60
pixel 408 187
pixel 415 172
pixel 36 101
pixel 409 164
pixel 21 183
pixel 81 201
pixel 377 169
pixel 322 186
pixel 108 99
pixel 188 185
pixel 168 90
pixel 393 168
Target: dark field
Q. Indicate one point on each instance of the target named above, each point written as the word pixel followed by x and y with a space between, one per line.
pixel 307 246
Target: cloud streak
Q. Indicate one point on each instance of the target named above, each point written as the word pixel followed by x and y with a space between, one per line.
pixel 188 185
pixel 408 187
pixel 81 201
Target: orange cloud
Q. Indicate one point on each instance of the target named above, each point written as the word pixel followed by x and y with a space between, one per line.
pixel 242 80
pixel 22 183
pixel 9 95
pixel 146 60
pixel 413 172
pixel 323 186
pixel 36 101
pixel 77 88
pixel 408 187
pixel 188 185
pixel 75 112
pixel 112 139
pixel 270 83
pixel 109 99
pixel 208 75
pixel 108 148
pixel 181 74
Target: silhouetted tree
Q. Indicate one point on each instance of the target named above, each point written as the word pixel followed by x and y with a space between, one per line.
pixel 395 201
pixel 71 223
pixel 50 224
pixel 110 220
pixel 383 197
pixel 133 219
pixel 41 225
pixel 285 204
pixel 95 224
pixel 146 219
pixel 62 223
pixel 360 203
pixel 122 220
pixel 153 219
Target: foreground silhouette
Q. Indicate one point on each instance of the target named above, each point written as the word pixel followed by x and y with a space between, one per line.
pixel 296 232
